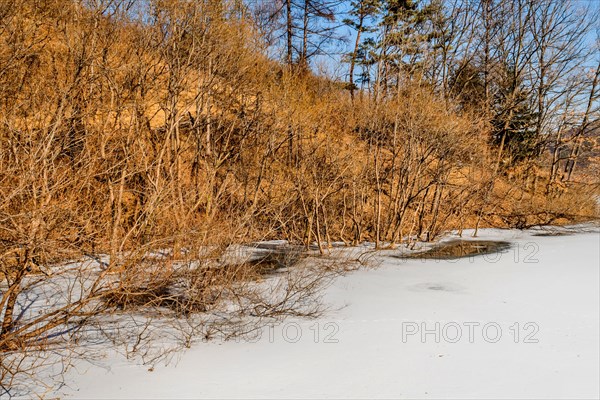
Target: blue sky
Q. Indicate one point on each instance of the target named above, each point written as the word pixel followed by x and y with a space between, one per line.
pixel 332 66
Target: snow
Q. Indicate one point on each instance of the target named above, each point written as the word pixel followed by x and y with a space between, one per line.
pixel 365 345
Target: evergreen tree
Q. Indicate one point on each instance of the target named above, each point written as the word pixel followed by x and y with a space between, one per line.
pixel 514 119
pixel 407 36
pixel 361 11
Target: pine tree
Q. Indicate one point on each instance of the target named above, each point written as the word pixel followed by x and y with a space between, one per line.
pixel 514 120
pixel 407 36
pixel 361 11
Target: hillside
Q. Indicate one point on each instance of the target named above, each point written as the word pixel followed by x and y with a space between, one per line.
pixel 141 143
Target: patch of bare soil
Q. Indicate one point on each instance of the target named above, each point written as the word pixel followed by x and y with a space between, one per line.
pixel 461 248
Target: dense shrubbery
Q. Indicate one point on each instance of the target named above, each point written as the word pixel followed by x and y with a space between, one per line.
pixel 131 130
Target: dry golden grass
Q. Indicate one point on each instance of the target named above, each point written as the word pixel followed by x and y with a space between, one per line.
pixel 124 137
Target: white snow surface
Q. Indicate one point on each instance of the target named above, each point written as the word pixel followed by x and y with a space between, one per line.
pixel 365 347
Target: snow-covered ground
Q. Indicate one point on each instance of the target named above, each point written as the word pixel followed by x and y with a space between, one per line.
pixel 519 324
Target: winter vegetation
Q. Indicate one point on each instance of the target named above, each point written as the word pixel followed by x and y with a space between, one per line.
pixel 519 324
pixel 196 168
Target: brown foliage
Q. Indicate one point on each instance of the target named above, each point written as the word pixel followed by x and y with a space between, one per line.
pixel 127 131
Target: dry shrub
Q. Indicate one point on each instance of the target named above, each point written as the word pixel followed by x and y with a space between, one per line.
pixel 131 130
pixel 520 208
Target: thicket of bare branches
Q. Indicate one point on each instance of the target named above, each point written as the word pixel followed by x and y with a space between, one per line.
pixel 143 142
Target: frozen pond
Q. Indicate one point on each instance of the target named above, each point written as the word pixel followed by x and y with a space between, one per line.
pixel 523 322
